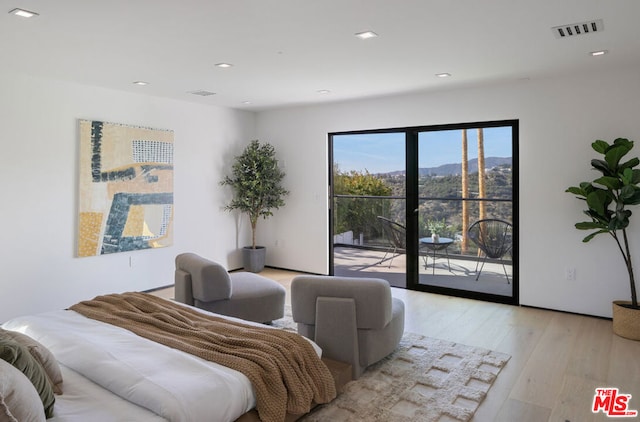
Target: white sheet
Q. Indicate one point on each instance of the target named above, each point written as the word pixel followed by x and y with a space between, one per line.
pixel 85 401
pixel 172 384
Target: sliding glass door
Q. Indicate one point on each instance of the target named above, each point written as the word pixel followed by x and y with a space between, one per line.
pixel 428 208
pixel 466 211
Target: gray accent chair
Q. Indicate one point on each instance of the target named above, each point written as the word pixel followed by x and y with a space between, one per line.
pixel 353 320
pixel 208 285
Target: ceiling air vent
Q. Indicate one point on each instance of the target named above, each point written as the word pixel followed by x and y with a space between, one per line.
pixel 202 93
pixel 575 29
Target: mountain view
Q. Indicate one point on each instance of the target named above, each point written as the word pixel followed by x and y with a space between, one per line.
pixel 439 194
pixel 456 168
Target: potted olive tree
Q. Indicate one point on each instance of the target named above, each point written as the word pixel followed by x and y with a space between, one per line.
pixel 608 198
pixel 256 182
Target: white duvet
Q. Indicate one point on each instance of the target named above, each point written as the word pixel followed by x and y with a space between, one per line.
pixel 85 401
pixel 172 384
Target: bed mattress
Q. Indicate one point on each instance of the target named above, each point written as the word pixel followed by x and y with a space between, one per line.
pixel 151 380
pixel 84 400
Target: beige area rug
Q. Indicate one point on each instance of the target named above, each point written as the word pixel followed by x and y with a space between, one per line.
pixel 424 380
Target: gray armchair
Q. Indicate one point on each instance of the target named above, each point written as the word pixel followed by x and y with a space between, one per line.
pixel 207 285
pixel 353 320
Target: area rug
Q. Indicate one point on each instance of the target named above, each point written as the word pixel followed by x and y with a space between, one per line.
pixel 425 379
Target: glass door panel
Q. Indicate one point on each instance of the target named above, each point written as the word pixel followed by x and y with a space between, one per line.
pixel 465 176
pixel 369 206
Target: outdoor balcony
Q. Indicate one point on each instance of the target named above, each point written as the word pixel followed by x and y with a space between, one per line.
pixel 459 272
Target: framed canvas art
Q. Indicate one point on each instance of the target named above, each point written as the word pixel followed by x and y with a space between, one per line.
pixel 126 188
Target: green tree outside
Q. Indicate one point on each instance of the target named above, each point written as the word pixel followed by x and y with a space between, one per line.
pixel 359 214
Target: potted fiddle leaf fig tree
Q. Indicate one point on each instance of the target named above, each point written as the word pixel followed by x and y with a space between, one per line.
pixel 608 198
pixel 256 181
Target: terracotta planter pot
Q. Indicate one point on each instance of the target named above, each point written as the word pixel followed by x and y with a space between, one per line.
pixel 626 321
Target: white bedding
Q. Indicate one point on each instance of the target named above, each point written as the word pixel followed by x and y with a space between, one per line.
pixel 83 400
pixel 170 383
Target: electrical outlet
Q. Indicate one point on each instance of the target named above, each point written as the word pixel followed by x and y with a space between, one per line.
pixel 570 274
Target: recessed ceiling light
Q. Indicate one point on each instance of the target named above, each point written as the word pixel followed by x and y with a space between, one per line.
pixel 202 92
pixel 323 91
pixel 224 65
pixel 366 35
pixel 443 75
pixel 23 13
pixel 141 83
pixel 246 102
pixel 598 53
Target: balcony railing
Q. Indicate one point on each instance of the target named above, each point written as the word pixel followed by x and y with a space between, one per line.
pixel 356 224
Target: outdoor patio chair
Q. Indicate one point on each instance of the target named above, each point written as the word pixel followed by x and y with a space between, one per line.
pixel 396 235
pixel 494 238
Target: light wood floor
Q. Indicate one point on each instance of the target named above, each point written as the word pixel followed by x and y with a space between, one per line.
pixel 557 359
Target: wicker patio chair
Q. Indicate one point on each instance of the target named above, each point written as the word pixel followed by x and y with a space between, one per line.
pixel 494 238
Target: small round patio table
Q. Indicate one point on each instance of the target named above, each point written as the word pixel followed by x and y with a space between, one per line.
pixel 442 243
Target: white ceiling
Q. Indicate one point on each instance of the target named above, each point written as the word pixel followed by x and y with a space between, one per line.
pixel 284 51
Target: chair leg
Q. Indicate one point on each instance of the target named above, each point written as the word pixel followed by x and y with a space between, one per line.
pixel 504 268
pixel 505 271
pixel 477 261
pixel 481 267
pixel 393 255
pixel 384 257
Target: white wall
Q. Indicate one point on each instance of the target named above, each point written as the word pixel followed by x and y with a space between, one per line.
pixel 559 118
pixel 38 182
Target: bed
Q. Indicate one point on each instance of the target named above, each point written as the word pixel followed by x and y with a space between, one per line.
pixel 110 373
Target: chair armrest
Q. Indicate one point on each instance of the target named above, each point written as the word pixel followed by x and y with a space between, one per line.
pixel 182 287
pixel 210 281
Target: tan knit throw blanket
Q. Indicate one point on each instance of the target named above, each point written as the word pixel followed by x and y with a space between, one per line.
pixel 286 373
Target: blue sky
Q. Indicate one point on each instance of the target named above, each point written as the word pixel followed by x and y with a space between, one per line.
pixel 384 152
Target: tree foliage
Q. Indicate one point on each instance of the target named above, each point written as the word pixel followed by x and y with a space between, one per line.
pixel 608 196
pixel 359 214
pixel 256 182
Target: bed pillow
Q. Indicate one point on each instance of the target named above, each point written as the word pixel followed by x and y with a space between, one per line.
pixel 19 400
pixel 42 355
pixel 17 355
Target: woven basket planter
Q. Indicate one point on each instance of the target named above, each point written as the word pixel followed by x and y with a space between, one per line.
pixel 626 321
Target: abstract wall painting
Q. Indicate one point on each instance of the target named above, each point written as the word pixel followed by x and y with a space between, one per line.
pixel 126 188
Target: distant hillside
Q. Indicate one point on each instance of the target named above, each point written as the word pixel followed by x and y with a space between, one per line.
pixel 456 168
